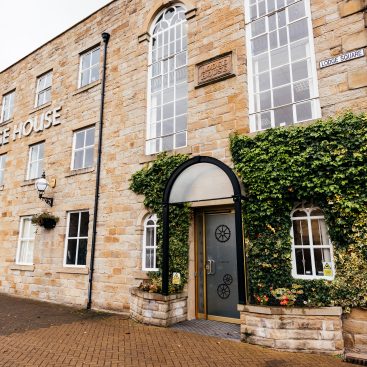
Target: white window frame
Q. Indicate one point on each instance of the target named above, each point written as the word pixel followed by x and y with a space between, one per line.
pixel 152 136
pixel 308 209
pixel 28 239
pixel 89 68
pixel 45 88
pixel 38 161
pixel 82 148
pixel 314 89
pixel 2 168
pixel 78 238
pixel 151 217
pixel 7 106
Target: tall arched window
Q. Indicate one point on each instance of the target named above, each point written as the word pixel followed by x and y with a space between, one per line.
pixel 312 248
pixel 150 243
pixel 167 93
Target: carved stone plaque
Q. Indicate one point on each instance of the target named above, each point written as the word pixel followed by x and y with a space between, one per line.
pixel 213 70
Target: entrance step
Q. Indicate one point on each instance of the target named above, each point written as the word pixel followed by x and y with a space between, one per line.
pixel 210 328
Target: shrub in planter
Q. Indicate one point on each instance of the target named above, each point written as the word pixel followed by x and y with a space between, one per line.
pixel 45 220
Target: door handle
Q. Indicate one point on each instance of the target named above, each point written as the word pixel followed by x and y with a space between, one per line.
pixel 210 267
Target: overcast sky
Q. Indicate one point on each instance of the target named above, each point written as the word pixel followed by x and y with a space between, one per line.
pixel 27 24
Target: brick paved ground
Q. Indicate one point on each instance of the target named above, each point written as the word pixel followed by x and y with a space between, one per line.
pixel 38 334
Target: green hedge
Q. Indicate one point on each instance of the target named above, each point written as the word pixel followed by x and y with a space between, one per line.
pixel 324 163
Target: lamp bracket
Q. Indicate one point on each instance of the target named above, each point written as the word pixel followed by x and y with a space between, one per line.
pixel 48 201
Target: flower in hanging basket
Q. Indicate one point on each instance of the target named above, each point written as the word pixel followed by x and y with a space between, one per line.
pixel 45 220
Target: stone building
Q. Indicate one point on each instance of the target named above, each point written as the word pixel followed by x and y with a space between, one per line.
pixel 180 77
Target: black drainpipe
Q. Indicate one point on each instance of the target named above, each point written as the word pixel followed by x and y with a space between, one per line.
pixel 105 37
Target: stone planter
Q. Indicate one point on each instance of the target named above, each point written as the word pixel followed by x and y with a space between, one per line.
pixel 355 334
pixel 155 309
pixel 311 330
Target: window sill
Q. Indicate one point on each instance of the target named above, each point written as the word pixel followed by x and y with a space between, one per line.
pixel 35 109
pixel 29 182
pixel 80 171
pixel 153 157
pixel 87 87
pixel 22 267
pixel 73 270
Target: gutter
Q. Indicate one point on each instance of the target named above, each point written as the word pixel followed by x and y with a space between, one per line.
pixel 105 37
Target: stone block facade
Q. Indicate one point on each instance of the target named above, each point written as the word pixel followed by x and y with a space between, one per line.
pixel 155 309
pixel 317 330
pixel 214 112
pixel 355 334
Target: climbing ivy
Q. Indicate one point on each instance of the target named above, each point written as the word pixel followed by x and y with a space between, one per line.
pixel 324 163
pixel 150 182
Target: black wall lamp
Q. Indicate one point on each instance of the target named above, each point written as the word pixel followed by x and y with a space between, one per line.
pixel 41 185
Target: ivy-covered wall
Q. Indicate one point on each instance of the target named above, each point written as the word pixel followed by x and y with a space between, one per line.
pixel 150 182
pixel 324 163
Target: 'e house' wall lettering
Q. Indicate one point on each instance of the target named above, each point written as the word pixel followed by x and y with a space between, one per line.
pixel 36 124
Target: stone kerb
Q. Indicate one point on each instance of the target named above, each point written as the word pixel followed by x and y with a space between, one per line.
pixel 156 309
pixel 311 330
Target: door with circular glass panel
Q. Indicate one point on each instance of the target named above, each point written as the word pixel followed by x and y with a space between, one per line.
pixel 217 287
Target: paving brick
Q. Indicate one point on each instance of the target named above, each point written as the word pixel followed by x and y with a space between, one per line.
pixel 71 338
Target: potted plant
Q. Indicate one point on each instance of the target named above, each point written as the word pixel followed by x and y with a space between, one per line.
pixel 45 220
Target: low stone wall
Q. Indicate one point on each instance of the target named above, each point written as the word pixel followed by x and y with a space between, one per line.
pixel 155 309
pixel 355 334
pixel 311 330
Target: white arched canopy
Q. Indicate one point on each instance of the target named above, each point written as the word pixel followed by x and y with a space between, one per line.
pixel 202 181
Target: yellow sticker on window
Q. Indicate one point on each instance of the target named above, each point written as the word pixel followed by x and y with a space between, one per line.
pixel 176 278
pixel 328 270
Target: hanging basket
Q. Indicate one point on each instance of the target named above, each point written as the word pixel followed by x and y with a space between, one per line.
pixel 45 220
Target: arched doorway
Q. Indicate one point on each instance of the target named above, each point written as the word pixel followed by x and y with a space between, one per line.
pixel 208 180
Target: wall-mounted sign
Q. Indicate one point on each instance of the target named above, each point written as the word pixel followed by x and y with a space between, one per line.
pixel 176 278
pixel 215 69
pixel 328 270
pixel 342 58
pixel 35 124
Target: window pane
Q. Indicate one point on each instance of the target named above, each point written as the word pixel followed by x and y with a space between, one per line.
pixel 303 262
pixel 73 224
pixel 298 30
pixel 85 61
pixel 181 140
pixel 296 11
pixel 71 252
pixel 300 70
pixel 88 157
pixel 149 258
pixel 282 96
pixel 181 123
pixel 319 232
pixel 78 159
pixel 301 90
pixel 79 139
pixel 281 76
pixel 300 233
pixel 304 111
pixel 84 223
pixel 23 252
pixel 95 57
pixel 89 139
pixel 94 73
pixel 283 116
pixel 84 78
pixel 82 252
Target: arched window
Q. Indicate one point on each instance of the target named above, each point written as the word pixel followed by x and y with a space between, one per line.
pixel 150 243
pixel 167 93
pixel 312 248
